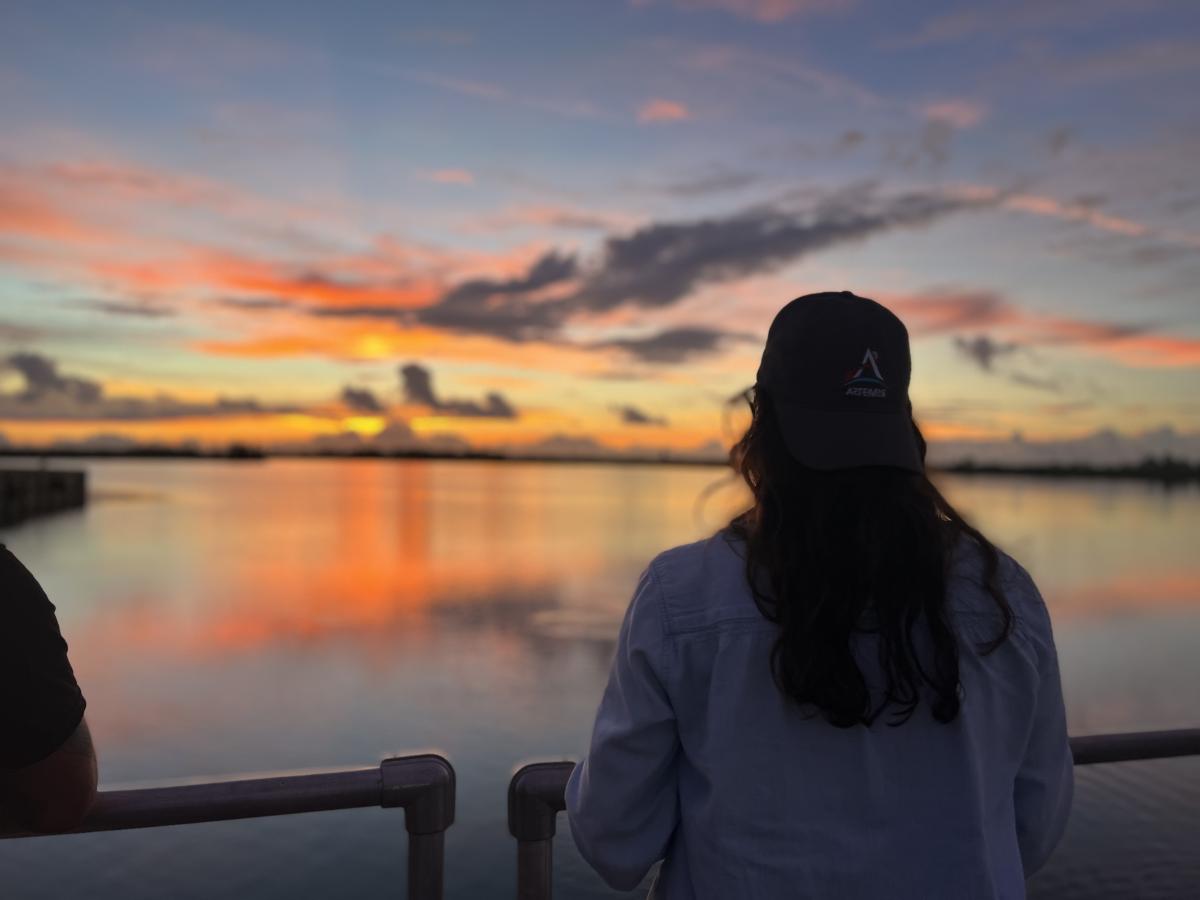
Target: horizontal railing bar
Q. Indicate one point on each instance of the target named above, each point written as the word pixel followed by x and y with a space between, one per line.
pixel 222 800
pixel 425 783
pixel 1093 749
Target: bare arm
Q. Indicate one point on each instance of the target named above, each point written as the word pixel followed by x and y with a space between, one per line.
pixel 55 793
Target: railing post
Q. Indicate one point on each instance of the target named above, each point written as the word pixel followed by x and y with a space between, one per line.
pixel 424 786
pixel 535 798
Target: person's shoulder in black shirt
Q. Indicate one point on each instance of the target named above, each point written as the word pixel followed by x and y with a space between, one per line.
pixel 47 763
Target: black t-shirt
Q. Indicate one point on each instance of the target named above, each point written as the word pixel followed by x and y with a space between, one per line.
pixel 40 701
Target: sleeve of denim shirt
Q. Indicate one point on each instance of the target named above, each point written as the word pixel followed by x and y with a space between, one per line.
pixel 622 799
pixel 1045 781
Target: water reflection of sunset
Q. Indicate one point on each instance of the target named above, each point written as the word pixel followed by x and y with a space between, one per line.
pixel 229 617
pixel 372 554
pixel 293 554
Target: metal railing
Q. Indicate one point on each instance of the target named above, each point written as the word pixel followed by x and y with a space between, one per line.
pixel 535 795
pixel 423 785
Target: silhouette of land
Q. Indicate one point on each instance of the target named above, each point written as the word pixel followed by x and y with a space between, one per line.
pixel 1163 470
pixel 250 453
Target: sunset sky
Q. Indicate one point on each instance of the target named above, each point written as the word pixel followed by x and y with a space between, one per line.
pixel 550 224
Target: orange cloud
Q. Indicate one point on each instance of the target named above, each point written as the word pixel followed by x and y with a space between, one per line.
pixel 26 213
pixel 359 339
pixel 1152 351
pixel 219 272
pixel 114 195
pixel 102 224
pixel 139 182
pixel 663 111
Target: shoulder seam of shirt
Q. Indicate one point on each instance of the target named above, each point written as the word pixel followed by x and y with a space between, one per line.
pixel 664 619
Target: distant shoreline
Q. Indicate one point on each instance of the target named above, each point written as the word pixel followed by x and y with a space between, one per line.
pixel 1162 471
pixel 257 456
pixel 1165 470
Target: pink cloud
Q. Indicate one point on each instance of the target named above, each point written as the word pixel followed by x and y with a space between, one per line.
pixel 663 111
pixel 1052 208
pixel 1132 345
pixel 449 176
pixel 29 214
pixel 1075 212
pixel 766 10
pixel 958 113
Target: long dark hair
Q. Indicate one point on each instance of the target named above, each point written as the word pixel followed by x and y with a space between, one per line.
pixel 831 553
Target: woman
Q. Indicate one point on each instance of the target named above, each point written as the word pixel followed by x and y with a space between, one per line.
pixel 847 693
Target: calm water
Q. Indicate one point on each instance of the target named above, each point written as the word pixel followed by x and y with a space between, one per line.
pixel 231 618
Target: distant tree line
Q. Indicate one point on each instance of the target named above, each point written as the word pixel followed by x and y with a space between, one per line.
pixel 1163 469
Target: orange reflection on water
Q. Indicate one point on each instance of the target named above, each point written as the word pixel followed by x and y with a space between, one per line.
pixel 235 558
pixel 1141 592
pixel 377 548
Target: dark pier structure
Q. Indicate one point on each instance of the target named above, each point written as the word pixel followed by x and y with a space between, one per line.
pixel 25 493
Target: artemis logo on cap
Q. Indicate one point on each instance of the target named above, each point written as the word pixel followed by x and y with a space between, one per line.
pixel 866 380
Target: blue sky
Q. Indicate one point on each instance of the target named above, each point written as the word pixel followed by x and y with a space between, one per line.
pixel 272 202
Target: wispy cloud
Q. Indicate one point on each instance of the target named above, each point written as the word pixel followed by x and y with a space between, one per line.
pixel 449 176
pixel 128 309
pixel 1133 344
pixel 662 111
pixel 766 11
pixel 788 72
pixel 674 345
pixel 28 213
pixel 1141 59
pixel 1023 15
pixel 204 54
pixel 1085 211
pixel 567 107
pixel 548 216
pixel 958 113
pixel 483 90
pixel 716 181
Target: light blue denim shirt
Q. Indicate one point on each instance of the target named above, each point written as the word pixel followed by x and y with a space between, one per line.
pixel 699 760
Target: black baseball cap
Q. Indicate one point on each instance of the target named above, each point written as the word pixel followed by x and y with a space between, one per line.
pixel 837 368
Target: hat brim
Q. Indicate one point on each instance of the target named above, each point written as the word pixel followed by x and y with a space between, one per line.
pixel 828 440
